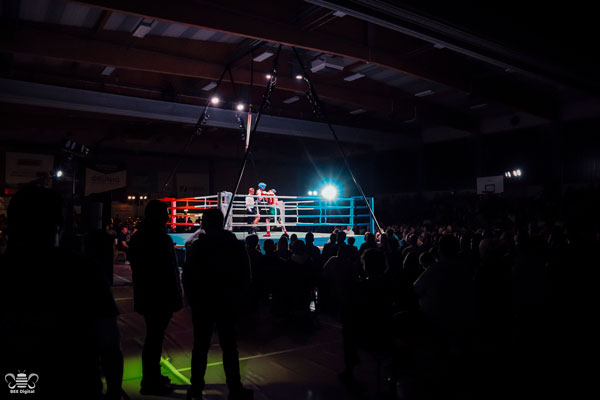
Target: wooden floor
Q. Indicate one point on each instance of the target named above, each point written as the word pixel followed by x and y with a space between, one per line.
pixel 277 361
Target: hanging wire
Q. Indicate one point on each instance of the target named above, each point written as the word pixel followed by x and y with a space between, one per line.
pixel 197 131
pixel 316 104
pixel 265 100
pixel 204 115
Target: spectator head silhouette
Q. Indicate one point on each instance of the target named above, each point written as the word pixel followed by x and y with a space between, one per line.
pixel 309 238
pixel 426 260
pixel 341 237
pixel 269 246
pixel 212 220
pixel 373 262
pixel 411 261
pixel 35 212
pixel 369 238
pixel 282 244
pixel 351 241
pixel 412 239
pixel 390 233
pixel 344 251
pixel 156 213
pixel 252 241
pixel 299 247
pixel 448 246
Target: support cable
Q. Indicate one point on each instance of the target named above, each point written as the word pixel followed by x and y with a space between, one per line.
pixel 266 100
pixel 313 98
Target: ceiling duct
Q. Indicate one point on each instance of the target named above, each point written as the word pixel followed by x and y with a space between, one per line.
pixel 327 65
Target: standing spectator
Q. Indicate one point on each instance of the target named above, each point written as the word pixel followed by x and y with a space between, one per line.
pixel 156 291
pixel 123 238
pixel 216 278
pixel 44 327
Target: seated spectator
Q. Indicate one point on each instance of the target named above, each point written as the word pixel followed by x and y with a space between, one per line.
pixel 367 313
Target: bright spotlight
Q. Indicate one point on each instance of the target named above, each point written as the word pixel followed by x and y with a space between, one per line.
pixel 59 173
pixel 518 172
pixel 240 107
pixel 215 100
pixel 268 76
pixel 329 192
pixel 298 76
pixel 132 197
pixel 310 192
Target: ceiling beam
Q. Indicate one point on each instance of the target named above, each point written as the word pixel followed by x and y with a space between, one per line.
pixel 34 94
pixel 49 43
pixel 447 68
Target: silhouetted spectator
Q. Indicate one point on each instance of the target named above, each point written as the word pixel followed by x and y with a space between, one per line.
pixel 312 250
pixel 369 243
pixel 339 274
pixel 330 248
pixel 351 241
pixel 367 313
pixel 123 238
pixel 282 248
pixel 216 279
pixel 293 239
pixel 156 290
pixel 257 266
pixel 426 260
pixel 446 290
pixel 46 328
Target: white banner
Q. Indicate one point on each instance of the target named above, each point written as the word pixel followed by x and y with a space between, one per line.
pixel 490 184
pixel 97 182
pixel 192 184
pixel 26 167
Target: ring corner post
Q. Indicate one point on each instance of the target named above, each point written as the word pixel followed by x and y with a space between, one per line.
pixel 371 219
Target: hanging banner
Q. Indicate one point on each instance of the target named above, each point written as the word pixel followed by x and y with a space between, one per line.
pixel 97 182
pixel 23 168
pixel 490 184
pixel 192 184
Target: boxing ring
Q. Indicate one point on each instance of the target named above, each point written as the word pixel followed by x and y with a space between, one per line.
pixel 299 215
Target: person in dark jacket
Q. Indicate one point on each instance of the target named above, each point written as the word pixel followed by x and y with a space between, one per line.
pixel 58 318
pixel 216 279
pixel 156 290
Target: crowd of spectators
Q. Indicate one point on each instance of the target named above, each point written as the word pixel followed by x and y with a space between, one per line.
pixel 485 297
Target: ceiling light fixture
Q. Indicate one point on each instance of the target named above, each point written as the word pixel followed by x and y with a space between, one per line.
pixel 424 93
pixel 291 100
pixel 262 57
pixel 353 77
pixel 210 86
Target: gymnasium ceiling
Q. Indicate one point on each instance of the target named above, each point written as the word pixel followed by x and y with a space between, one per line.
pixel 433 72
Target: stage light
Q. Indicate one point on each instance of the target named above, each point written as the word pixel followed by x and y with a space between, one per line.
pixel 215 100
pixel 518 172
pixel 128 197
pixel 240 107
pixel 508 174
pixel 310 192
pixel 59 173
pixel 299 76
pixel 132 197
pixel 268 76
pixel 329 192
